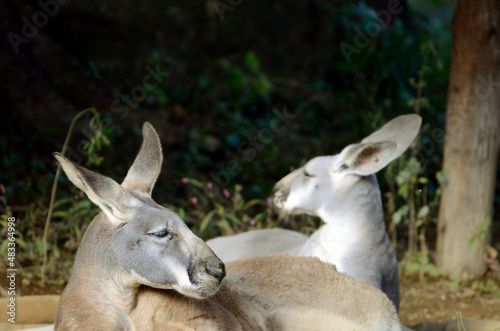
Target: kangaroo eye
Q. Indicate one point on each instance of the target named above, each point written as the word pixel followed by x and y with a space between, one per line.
pixel 307 174
pixel 160 234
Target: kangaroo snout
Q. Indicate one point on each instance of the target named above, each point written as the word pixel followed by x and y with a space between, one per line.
pixel 279 195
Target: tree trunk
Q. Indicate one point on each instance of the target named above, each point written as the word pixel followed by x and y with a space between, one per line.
pixel 472 139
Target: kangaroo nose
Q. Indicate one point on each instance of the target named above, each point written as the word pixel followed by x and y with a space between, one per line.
pixel 218 272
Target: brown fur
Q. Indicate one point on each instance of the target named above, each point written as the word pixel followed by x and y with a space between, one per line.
pixel 271 293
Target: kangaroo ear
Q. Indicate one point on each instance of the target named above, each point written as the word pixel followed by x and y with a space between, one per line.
pixel 381 147
pixel 101 190
pixel 401 130
pixel 143 173
pixel 366 159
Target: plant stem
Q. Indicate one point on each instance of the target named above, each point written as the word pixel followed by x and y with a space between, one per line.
pixel 412 230
pixel 412 236
pixel 54 186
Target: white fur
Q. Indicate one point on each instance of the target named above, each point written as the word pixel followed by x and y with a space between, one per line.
pixel 342 191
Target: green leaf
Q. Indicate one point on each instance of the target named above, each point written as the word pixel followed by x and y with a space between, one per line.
pixel 206 220
pixel 403 177
pixel 423 212
pixel 423 180
pixel 404 190
pixel 471 242
pixel 235 81
pixel 259 217
pixel 233 219
pixel 483 229
pixel 252 62
pixel 226 227
pixel 253 202
pixel 21 243
pixel 262 85
pixel 220 210
pixel 60 202
pixel 78 233
pixel 432 270
pixel 414 166
pixel 224 64
pixel 399 214
pixel 196 183
pixel 442 178
pixel 61 214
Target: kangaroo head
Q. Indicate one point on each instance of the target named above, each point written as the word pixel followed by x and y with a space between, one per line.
pixel 138 241
pixel 327 183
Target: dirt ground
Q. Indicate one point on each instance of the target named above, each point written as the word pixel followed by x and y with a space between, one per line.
pixel 429 300
pixel 440 300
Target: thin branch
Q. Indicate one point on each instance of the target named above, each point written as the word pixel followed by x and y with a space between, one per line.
pixel 54 186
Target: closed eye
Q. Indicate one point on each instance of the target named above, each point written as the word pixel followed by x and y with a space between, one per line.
pixel 161 234
pixel 307 174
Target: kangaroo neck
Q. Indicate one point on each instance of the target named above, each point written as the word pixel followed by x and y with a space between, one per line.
pixel 359 215
pixel 352 232
pixel 103 303
pixel 105 299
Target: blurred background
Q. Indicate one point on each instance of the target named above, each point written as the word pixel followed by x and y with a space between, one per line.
pixel 214 78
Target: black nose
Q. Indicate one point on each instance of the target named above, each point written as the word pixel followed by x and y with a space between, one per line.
pixel 218 272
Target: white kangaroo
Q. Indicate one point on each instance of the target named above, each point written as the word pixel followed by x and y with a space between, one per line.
pixel 139 267
pixel 343 191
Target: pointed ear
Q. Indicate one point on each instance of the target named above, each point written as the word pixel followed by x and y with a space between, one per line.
pixel 143 173
pixel 101 190
pixel 366 159
pixel 381 147
pixel 401 130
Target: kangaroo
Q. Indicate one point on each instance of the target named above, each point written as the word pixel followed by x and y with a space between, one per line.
pixel 343 191
pixel 139 267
